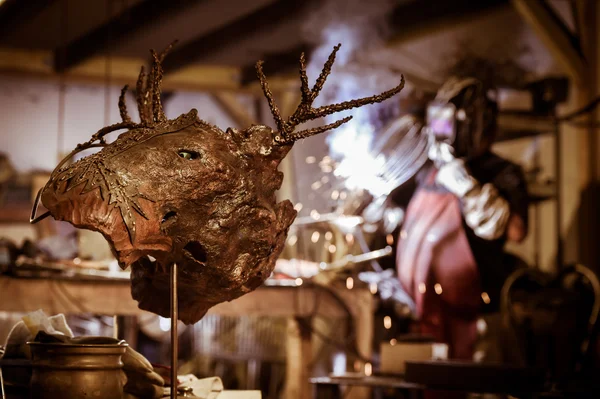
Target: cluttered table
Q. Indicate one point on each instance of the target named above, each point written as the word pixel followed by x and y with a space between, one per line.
pixel 110 295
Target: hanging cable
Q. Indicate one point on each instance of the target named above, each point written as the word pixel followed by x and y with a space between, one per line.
pixel 589 107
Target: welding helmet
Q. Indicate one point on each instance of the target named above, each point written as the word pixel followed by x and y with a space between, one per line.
pixel 463 116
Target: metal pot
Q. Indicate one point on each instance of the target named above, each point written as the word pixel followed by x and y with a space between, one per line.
pixel 77 371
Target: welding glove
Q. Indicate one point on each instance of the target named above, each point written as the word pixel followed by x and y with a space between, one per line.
pixel 484 210
pixel 440 153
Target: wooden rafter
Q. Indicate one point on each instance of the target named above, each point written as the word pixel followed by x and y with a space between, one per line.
pixel 14 12
pixel 419 18
pixel 259 20
pixel 38 64
pixel 236 110
pixel 555 35
pixel 520 125
pixel 276 63
pixel 124 70
pixel 127 23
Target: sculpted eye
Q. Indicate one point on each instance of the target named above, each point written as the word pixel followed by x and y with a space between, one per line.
pixel 189 155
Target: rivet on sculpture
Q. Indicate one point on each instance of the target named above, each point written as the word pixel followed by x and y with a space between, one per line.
pixel 182 190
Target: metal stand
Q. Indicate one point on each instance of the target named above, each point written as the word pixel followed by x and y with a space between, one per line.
pixel 174 338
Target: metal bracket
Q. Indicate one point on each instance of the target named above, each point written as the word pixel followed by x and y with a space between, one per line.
pixel 33 219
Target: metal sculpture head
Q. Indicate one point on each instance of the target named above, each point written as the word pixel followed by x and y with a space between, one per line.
pixel 185 191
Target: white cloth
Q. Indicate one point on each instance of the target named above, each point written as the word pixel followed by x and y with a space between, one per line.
pixel 26 330
pixel 205 388
pixel 34 322
pixel 211 388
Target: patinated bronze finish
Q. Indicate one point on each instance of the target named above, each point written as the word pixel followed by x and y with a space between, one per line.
pixel 185 191
pixel 77 371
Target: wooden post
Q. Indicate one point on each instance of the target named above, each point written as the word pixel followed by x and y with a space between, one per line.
pixel 298 358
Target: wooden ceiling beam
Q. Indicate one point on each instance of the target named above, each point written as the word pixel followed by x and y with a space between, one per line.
pixel 255 22
pixel 408 21
pixel 276 64
pixel 38 64
pixel 146 12
pixel 555 36
pixel 424 17
pixel 14 12
pixel 194 78
pixel 235 109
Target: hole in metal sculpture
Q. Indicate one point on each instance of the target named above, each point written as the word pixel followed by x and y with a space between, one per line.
pixel 197 251
pixel 189 155
pixel 169 215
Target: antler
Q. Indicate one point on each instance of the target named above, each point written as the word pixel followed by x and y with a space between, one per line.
pixel 305 111
pixel 148 92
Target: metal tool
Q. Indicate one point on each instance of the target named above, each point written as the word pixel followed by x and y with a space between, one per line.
pixel 349 260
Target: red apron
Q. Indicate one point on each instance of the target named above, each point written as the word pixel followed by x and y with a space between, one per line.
pixel 437 268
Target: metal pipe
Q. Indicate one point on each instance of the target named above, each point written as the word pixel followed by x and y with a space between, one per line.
pixel 1 378
pixel 354 259
pixel 174 338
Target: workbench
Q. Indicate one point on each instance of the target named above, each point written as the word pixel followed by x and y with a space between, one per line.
pixel 113 297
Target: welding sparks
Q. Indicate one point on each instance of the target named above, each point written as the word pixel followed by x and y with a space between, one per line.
pixel 389 239
pixel 387 322
pixel 292 240
pixel 373 288
pixel 485 297
pixel 350 238
pixel 315 236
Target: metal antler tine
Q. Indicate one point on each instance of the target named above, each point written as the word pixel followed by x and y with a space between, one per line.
pixel 314 131
pixel 269 95
pixel 157 109
pixel 167 50
pixel 324 73
pixel 141 91
pixel 123 105
pixel 343 106
pixel 306 92
pixel 304 111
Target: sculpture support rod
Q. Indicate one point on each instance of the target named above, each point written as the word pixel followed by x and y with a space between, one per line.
pixel 174 338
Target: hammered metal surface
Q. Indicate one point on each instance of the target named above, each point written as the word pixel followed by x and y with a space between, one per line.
pixel 186 191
